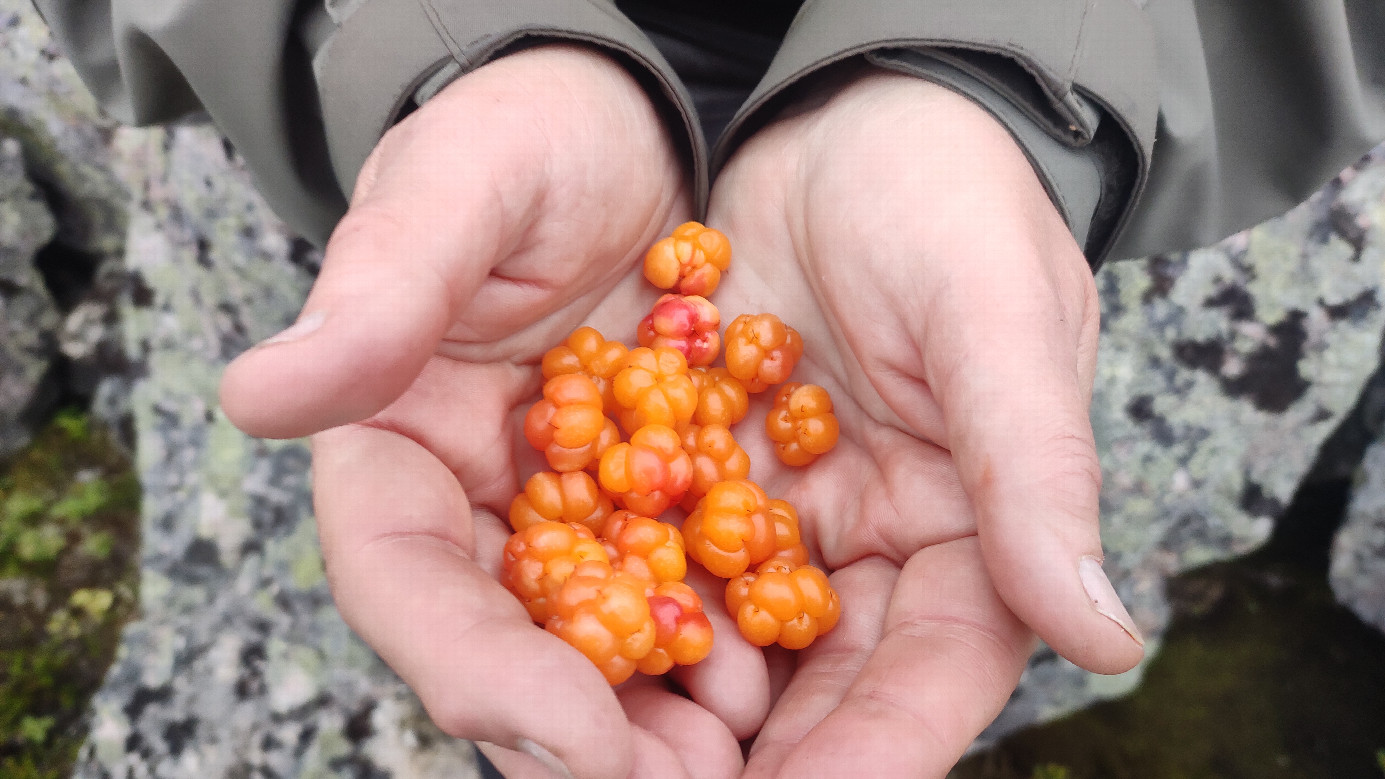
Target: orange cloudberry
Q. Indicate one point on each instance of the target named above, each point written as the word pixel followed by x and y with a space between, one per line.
pixel 689 261
pixel 606 617
pixel 587 352
pixel 654 389
pixel 783 604
pixel 567 423
pixel 560 497
pixel 761 350
pixel 645 547
pixel 721 397
pixel 788 540
pixel 801 423
pixel 715 457
pixel 648 473
pixel 730 530
pixel 538 559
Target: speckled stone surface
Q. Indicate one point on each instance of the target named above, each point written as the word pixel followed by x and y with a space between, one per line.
pixel 29 318
pixel 66 140
pixel 1357 573
pixel 240 665
pixel 1221 371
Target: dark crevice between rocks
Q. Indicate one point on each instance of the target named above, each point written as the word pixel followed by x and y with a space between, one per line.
pixel 1261 674
pixel 68 273
pixel 69 518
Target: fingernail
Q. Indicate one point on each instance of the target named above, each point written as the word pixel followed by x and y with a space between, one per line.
pixel 549 760
pixel 1104 597
pixel 304 326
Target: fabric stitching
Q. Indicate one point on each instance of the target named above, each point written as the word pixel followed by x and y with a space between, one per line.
pixel 444 34
pixel 1077 49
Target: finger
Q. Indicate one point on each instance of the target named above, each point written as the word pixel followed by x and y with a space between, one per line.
pixel 396 269
pixel 827 668
pixel 696 738
pixel 1015 387
pixel 950 656
pixel 399 544
pixel 652 758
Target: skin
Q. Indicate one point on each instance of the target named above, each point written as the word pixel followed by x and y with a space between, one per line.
pixel 953 320
pixel 468 252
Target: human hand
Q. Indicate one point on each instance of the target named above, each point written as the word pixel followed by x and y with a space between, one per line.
pixel 487 225
pixel 947 309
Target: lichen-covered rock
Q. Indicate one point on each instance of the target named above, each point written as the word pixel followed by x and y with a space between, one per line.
pixel 1221 372
pixel 1357 573
pixel 65 136
pixel 67 150
pixel 240 664
pixel 28 316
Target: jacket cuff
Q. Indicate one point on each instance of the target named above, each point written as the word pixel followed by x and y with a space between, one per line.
pixel 1072 174
pixel 1073 80
pixel 388 52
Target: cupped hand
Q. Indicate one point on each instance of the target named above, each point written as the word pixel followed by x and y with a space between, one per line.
pixel 948 311
pixel 485 226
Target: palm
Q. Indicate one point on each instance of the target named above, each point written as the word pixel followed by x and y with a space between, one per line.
pixel 881 511
pixel 871 237
pixel 472 246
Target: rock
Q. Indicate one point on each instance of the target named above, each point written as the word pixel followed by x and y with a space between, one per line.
pixel 28 316
pixel 1357 573
pixel 68 152
pixel 66 138
pixel 239 664
pixel 91 338
pixel 1221 372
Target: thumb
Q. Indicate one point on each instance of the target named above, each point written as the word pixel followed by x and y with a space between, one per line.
pixel 392 278
pixel 1015 398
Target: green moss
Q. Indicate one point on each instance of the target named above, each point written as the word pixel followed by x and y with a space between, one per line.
pixel 69 519
pixel 1261 675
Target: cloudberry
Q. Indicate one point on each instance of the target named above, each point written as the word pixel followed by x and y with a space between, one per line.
pixel 645 547
pixel 801 423
pixel 654 389
pixel 682 632
pixel 761 350
pixel 686 323
pixel 648 473
pixel 715 457
pixel 721 397
pixel 689 261
pixel 610 436
pixel 587 352
pixel 730 530
pixel 606 617
pixel 560 497
pixel 788 542
pixel 538 559
pixel 566 425
pixel 783 604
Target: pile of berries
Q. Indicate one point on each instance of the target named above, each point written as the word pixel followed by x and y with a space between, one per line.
pixel 630 433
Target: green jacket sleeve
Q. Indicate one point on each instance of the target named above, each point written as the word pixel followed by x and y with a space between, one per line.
pixel 305 90
pixel 1154 124
pixel 1074 80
